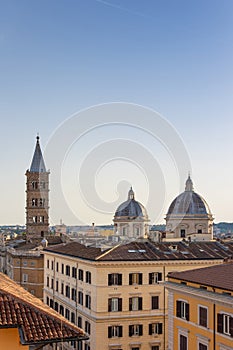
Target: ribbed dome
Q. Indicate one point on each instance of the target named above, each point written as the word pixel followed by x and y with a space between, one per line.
pixel 189 202
pixel 131 208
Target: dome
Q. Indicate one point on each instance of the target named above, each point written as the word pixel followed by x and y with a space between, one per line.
pixel 189 202
pixel 131 208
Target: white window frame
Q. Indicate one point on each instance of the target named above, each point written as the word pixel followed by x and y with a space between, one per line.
pixel 226 330
pixel 114 304
pixel 25 277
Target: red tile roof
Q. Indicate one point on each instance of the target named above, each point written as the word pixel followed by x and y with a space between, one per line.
pixel 217 276
pixel 37 323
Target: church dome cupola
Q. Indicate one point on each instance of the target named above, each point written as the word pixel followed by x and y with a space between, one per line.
pixel 131 218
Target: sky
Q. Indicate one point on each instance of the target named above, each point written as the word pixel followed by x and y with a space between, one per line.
pixel 66 67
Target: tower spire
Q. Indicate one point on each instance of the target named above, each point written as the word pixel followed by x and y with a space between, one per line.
pixel 38 164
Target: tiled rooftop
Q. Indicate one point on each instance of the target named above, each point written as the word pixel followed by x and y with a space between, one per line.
pixel 75 249
pixel 146 250
pixel 218 276
pixel 37 323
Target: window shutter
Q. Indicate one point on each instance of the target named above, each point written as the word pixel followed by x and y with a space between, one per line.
pixel 109 305
pixel 160 277
pixel 140 278
pixel 178 308
pixel 150 329
pixel 160 328
pixel 140 303
pixel 220 323
pixel 130 304
pixel 140 329
pixel 231 326
pixel 150 278
pixel 120 304
pixel 110 279
pixel 110 332
pixel 187 312
pixel 119 279
pixel 130 331
pixel 120 331
pixel 130 279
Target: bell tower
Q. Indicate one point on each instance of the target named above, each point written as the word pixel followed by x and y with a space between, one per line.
pixel 37 197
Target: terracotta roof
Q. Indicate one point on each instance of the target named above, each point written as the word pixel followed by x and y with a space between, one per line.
pixel 75 249
pixel 37 323
pixel 218 276
pixel 146 250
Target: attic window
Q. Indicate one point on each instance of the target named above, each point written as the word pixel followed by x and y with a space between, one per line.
pixel 173 247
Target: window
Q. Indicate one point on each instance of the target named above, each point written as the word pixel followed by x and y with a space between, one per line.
pixel 114 331
pixel 80 345
pixel 42 185
pixel 225 324
pixel 135 278
pixel 52 283
pixel 203 316
pixel 56 306
pixel 62 269
pixel 87 347
pixel 67 291
pixel 48 264
pixel 183 342
pixel 56 286
pixel 72 317
pixel 57 267
pixel 80 322
pixel 115 279
pixel 135 304
pixel 48 282
pixel 47 301
pixel 154 302
pixel 202 347
pixel 34 202
pixel 135 329
pixel 67 270
pixel 80 275
pixel 88 277
pixel 182 233
pixel 73 294
pixel 115 304
pixel 25 277
pixel 62 288
pixel 62 310
pixel 34 185
pixel 199 230
pixel 182 309
pixel 87 327
pixel 155 347
pixel 155 328
pixel 74 272
pixel 52 264
pixel 80 298
pixel 34 219
pixel 155 277
pixel 88 301
pixel 67 314
pixel 51 303
pixel 42 202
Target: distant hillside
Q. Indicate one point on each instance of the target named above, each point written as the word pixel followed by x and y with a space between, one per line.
pixel 225 227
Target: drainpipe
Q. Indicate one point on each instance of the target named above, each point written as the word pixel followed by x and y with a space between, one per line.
pixel 214 324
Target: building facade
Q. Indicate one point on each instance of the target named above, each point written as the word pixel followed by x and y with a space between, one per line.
pixel 200 312
pixel 189 217
pixel 118 296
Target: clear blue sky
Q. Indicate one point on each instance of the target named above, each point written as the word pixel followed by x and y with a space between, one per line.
pixel 58 57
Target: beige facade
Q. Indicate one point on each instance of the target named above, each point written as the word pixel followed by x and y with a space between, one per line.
pixel 27 269
pixel 121 304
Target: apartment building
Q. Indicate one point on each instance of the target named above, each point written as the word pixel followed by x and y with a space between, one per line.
pixel 200 313
pixel 118 296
